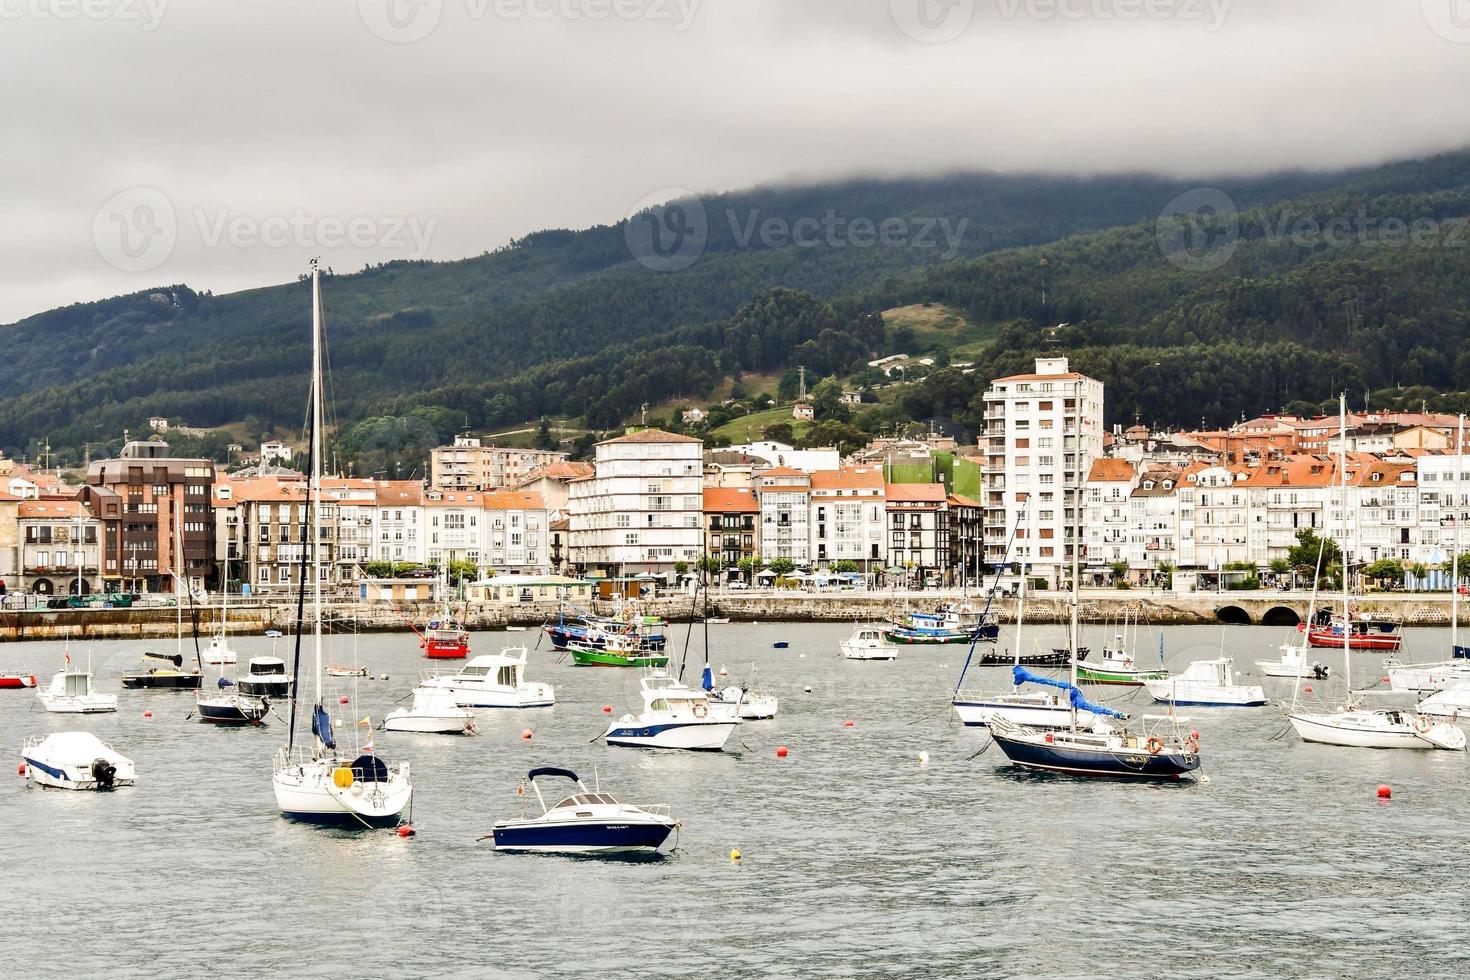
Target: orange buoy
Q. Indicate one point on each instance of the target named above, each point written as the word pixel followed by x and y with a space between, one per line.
pixel 847 723
pixel 526 733
pixel 607 709
pixel 405 831
pixel 147 714
pixel 781 751
pixel 1194 734
pixel 1387 679
pixel 343 699
pixel 20 770
pixel 1385 792
pixel 1306 690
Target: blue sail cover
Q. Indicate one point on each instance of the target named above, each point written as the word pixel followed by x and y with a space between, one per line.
pixel 1462 653
pixel 1020 675
pixel 321 727
pixel 707 681
pixel 225 682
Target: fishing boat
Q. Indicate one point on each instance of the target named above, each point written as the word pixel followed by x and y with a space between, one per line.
pixel 1207 683
pixel 321 783
pixel 75 760
pixel 1294 663
pixel 445 639
pixel 266 678
pixel 591 631
pixel 674 716
pixel 1056 657
pixel 71 693
pixel 947 624
pixel 587 822
pixel 1117 667
pixel 868 643
pixel 614 650
pixel 494 680
pixel 737 701
pixel 433 711
pixel 1353 724
pixel 17 681
pixel 1363 632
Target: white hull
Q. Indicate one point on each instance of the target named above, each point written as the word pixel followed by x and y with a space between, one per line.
pixel 1453 705
pixel 1428 678
pixel 867 651
pixel 1274 668
pixel 1375 730
pixel 92 704
pixel 729 705
pixel 306 791
pixel 500 699
pixel 1236 696
pixel 65 761
pixel 1021 709
pixel 709 735
pixel 440 723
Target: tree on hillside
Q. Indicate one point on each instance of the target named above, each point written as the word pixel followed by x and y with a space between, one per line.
pixel 544 437
pixel 779 432
pixel 827 401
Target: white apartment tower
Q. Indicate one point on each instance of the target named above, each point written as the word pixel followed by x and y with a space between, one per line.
pixel 642 509
pixel 1042 432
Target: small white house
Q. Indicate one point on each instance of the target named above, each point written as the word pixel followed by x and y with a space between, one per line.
pixel 276 452
pixel 803 411
pixel 158 423
pixel 693 416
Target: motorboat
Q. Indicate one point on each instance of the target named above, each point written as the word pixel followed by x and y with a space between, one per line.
pixel 17 681
pixel 614 650
pixel 1427 678
pixel 1117 667
pixel 1101 750
pixel 1364 632
pixel 734 701
pixel 337 670
pixel 75 760
pixel 71 693
pixel 219 652
pixel 1371 728
pixel 587 822
pixel 230 707
pixel 433 711
pixel 1294 663
pixel 172 678
pixel 868 643
pixel 494 680
pixel 674 716
pixel 1453 704
pixel 1032 708
pixel 266 678
pixel 1207 683
pixel 445 639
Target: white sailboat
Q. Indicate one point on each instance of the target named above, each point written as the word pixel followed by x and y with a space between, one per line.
pixel 320 784
pixel 1353 724
pixel 219 652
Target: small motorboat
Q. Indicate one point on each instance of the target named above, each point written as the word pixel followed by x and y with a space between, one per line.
pixel 75 760
pixel 623 649
pixel 219 652
pixel 1364 632
pixel 1208 683
pixel 274 634
pixel 1293 663
pixel 717 620
pixel 515 629
pixel 492 681
pixel 587 822
pixel 227 707
pixel 173 678
pixel 868 643
pixel 445 639
pixel 780 645
pixel 741 703
pixel 17 680
pixel 433 712
pixel 266 678
pixel 71 693
pixel 674 716
pixel 337 670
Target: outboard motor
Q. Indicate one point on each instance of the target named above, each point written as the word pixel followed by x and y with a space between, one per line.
pixel 104 772
pixel 1320 671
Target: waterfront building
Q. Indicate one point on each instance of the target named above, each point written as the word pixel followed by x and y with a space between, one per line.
pixel 1108 517
pixel 773 453
pixel 918 529
pixel 785 501
pixel 468 465
pixel 552 482
pixel 399 528
pixel 966 542
pixel 731 515
pixel 59 547
pixel 9 542
pixel 847 517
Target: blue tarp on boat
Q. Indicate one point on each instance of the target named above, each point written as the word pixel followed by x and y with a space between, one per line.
pixel 321 727
pixel 1020 675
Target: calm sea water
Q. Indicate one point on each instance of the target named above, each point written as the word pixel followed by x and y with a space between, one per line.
pixel 857 860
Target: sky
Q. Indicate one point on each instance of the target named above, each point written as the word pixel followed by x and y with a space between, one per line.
pixel 223 144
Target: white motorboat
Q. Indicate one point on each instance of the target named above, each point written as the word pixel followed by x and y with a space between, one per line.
pixel 219 652
pixel 1293 663
pixel 736 702
pixel 432 712
pixel 1378 729
pixel 587 822
pixel 321 783
pixel 674 716
pixel 868 643
pixel 1453 704
pixel 71 693
pixel 75 760
pixel 266 678
pixel 1427 678
pixel 1208 683
pixel 495 680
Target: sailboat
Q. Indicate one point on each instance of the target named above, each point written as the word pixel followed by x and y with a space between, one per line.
pixel 219 651
pixel 174 678
pixel 319 784
pixel 1353 724
pixel 227 704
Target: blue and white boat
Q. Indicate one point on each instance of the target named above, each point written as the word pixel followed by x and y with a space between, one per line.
pixel 674 716
pixel 1207 683
pixel 587 822
pixel 947 624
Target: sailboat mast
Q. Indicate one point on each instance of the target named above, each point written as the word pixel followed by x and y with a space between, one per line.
pixel 179 595
pixel 1077 482
pixel 1455 502
pixel 315 485
pixel 1347 658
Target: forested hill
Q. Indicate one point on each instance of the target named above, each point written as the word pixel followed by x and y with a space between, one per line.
pixel 1363 288
pixel 454 335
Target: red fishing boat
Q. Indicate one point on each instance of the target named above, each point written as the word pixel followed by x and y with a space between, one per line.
pixel 17 680
pixel 1363 633
pixel 445 639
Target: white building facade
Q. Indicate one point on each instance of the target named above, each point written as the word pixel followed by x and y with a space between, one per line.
pixel 642 510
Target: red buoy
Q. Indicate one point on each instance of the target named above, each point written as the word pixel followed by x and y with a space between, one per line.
pixel 1306 690
pixel 147 714
pixel 1387 679
pixel 20 770
pixel 607 709
pixel 847 723
pixel 405 831
pixel 343 699
pixel 781 751
pixel 1194 735
pixel 1385 792
pixel 526 733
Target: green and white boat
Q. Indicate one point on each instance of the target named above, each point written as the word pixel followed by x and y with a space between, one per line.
pixel 1116 666
pixel 616 650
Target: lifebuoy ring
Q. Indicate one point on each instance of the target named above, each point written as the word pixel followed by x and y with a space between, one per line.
pixel 701 709
pixel 1155 745
pixel 1422 724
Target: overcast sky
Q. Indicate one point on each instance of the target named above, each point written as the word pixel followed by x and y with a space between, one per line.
pixel 223 143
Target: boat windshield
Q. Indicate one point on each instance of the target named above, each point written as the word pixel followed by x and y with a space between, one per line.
pixel 475 671
pixel 585 799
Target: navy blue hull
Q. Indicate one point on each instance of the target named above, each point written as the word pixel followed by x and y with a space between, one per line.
pixel 582 836
pixel 1122 764
pixel 228 716
pixel 561 635
pixel 350 821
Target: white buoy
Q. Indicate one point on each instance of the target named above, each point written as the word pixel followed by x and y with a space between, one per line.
pixel 923 758
pixel 723 671
pixel 807 689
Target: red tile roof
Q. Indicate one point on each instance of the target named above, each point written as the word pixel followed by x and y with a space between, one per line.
pixel 916 492
pixel 1110 470
pixel 848 478
pixel 729 500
